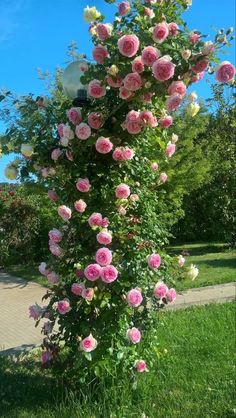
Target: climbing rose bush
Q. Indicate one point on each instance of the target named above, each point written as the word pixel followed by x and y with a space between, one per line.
pixel 105 166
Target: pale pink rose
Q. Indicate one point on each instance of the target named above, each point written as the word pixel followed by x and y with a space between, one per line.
pixel 200 66
pixel 132 81
pixel 163 69
pixel 128 45
pixel 83 131
pixel 137 65
pixel 160 290
pixel 55 235
pixel 165 121
pixel 134 335
pixel 64 212
pixel 104 31
pixel 147 97
pixel 92 272
pixel 108 274
pixel 154 166
pixel 163 177
pixel 74 115
pixel 181 260
pixel 133 115
pixel 53 195
pixel 55 250
pixel 63 306
pixel 103 145
pixel 95 219
pixel 177 87
pixel 140 366
pixel 173 102
pixel 128 153
pixel 35 311
pixel 95 120
pixel 100 53
pixel 88 344
pixel 149 12
pixel 208 48
pixel 134 197
pixel 118 154
pixel 88 293
pixel 124 8
pixel 150 55
pixel 103 256
pixel 46 357
pixel 96 90
pixel 64 141
pixel 133 127
pixel 80 206
pixel 194 37
pixel 134 298
pixel 122 211
pixel 186 54
pixel 43 269
pixel 56 153
pixel 83 185
pixel 105 222
pixel 104 238
pixel 148 118
pixel 77 288
pixel 170 150
pixel 122 191
pixel 154 261
pixel 65 131
pixel 53 278
pixel 160 32
pixel 124 93
pixel 173 29
pixel 171 295
pixel 225 72
pixel 115 81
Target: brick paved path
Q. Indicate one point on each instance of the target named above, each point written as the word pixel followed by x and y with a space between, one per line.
pixel 17 330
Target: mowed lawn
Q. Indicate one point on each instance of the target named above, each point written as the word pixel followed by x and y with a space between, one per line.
pixel 194 377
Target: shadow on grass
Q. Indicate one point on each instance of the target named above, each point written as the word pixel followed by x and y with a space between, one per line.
pixel 229 263
pixel 198 248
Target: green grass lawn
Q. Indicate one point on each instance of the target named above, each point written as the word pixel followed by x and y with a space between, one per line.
pixel 193 379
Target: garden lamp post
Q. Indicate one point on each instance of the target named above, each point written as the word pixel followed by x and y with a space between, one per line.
pixel 72 86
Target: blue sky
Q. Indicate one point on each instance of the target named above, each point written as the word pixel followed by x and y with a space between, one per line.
pixel 35 34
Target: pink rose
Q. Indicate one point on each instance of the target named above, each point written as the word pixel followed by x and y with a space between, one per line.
pixel 137 65
pixel 186 54
pixel 160 290
pixel 150 55
pixel 88 344
pixel 95 219
pixel 200 66
pixel 154 261
pixel 122 211
pixel 133 115
pixel 122 191
pixel 198 77
pixel 163 177
pixel 165 121
pixel 225 72
pixel 208 48
pixel 163 69
pixel 46 357
pixel 74 115
pixel 77 288
pixel 35 311
pixel 148 118
pixel 83 185
pixel 64 212
pixel 56 153
pixel 147 97
pixel 114 82
pixel 128 153
pixel 140 366
pixel 132 82
pixel 171 295
pixel 124 93
pixel 43 269
pixel 105 222
pixel 154 166
pixel 124 8
pixel 134 298
pixel 55 235
pixel 53 195
pixel 103 256
pixel 100 53
pixel 149 12
pixel 177 87
pixel 108 274
pixel 104 238
pixel 60 129
pixel 53 278
pixel 88 293
pixel 170 150
pixel 134 335
pixel 133 127
pixel 173 29
pixel 181 260
pixel 83 131
pixel 63 306
pixel 96 90
pixel 55 250
pixel 160 32
pixel 103 145
pixel 95 120
pixel 65 131
pixel 128 45
pixel 92 272
pixel 194 37
pixel 104 31
pixel 134 197
pixel 173 102
pixel 118 154
pixel 80 206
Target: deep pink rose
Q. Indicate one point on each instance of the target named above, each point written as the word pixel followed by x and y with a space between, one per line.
pixel 103 256
pixel 63 306
pixel 124 93
pixel 194 37
pixel 103 145
pixel 171 295
pixel 225 72
pixel 177 87
pixel 132 82
pixel 134 298
pixel 92 272
pixel 118 154
pixel 108 274
pixel 134 335
pixel 104 238
pixel 173 102
pixel 173 29
pixel 95 120
pixel 200 66
pixel 80 206
pixel 166 121
pixel 56 153
pixel 83 185
pixel 163 177
pixel 74 115
pixel 55 235
pixel 88 344
pixel 52 277
pixel 64 212
pixel 100 53
pixel 160 290
pixel 124 8
pixel 128 45
pixel 95 219
pixel 137 65
pixel 160 32
pixel 104 31
pixel 96 90
pixel 115 81
pixel 140 366
pixel 122 191
pixel 77 288
pixel 163 69
pixel 154 261
pixel 83 131
pixel 170 150
pixel 150 55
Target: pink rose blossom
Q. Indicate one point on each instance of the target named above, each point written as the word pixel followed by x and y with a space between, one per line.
pixel 122 191
pixel 83 185
pixel 55 235
pixel 100 53
pixel 160 32
pixel 92 272
pixel 80 206
pixel 53 195
pixel 124 93
pixel 108 274
pixel 65 131
pixel 128 153
pixel 124 8
pixel 88 293
pixel 122 211
pixel 43 269
pixel 56 153
pixel 177 87
pixel 35 311
pixel 104 31
pixel 88 344
pixel 118 154
pixel 173 102
pixel 133 127
pixel 166 121
pixel 64 212
pixel 103 256
pixel 200 66
pixel 149 12
pixel 46 357
pixel 170 149
pixel 133 115
pixel 132 81
pixel 55 250
pixel 96 90
pixel 105 222
pixel 137 65
pixel 163 69
pixel 154 261
pixel 74 115
pixel 95 219
pixel 134 335
pixel 150 55
pixel 63 306
pixel 225 72
pixel 53 278
pixel 186 54
pixel 208 48
pixel 95 120
pixel 134 197
pixel 140 366
pixel 194 37
pixel 163 177
pixel 134 298
pixel 115 81
pixel 198 77
pixel 83 131
pixel 77 288
pixel 154 166
pixel 181 260
pixel 103 145
pixel 160 290
pixel 128 45
pixel 171 295
pixel 148 118
pixel 104 238
pixel 173 29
